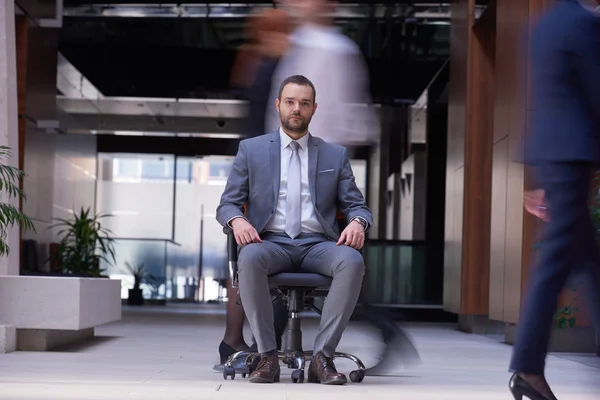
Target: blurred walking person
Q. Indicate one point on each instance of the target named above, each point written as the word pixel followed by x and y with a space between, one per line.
pixel 346 116
pixel 564 148
pixel 251 76
pixel 336 66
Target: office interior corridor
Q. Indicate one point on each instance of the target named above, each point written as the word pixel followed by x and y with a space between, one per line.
pixel 168 353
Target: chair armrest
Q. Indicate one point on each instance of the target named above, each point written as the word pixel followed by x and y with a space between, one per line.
pixel 232 256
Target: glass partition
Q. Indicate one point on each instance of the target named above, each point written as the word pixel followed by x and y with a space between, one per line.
pixel 359 168
pixel 163 214
pixel 200 184
pixel 138 190
pixel 152 254
pixel 395 272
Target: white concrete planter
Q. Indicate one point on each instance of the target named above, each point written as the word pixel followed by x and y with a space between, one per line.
pixel 53 311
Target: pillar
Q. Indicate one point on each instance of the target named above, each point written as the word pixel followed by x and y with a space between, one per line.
pixel 469 167
pixel 9 136
pixel 9 126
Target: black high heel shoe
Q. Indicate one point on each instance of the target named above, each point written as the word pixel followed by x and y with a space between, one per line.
pixel 226 351
pixel 519 388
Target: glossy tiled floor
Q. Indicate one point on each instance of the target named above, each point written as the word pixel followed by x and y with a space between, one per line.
pixel 169 353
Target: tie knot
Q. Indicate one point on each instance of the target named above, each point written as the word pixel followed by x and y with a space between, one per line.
pixel 295 146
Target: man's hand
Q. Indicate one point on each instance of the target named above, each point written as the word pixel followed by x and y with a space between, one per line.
pixel 244 232
pixel 353 235
pixel 535 204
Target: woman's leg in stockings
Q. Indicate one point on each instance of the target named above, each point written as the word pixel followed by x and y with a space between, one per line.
pixel 234 329
pixel 233 340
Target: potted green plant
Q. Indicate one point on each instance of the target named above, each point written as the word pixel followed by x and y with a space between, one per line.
pixel 153 284
pixel 9 188
pixel 138 272
pixel 83 245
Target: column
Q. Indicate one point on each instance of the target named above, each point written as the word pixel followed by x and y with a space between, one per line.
pixel 468 168
pixel 9 136
pixel 9 126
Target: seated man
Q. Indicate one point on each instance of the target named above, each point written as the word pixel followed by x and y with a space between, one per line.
pixel 293 184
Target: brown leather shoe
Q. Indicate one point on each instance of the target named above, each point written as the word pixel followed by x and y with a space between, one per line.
pixel 267 370
pixel 322 370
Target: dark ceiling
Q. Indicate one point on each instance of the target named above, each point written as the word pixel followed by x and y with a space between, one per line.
pixel 192 57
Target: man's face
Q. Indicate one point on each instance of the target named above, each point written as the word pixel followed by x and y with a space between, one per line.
pixel 296 107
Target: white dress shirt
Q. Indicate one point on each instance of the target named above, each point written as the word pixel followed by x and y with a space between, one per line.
pixel 335 65
pixel 309 221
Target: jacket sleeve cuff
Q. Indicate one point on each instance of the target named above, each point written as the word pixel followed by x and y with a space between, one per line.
pixel 362 221
pixel 231 219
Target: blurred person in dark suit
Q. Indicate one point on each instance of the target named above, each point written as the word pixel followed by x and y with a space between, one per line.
pixel 251 75
pixel 564 148
pixel 336 65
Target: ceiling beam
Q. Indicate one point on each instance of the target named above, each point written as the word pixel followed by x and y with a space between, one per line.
pixel 412 11
pixel 183 146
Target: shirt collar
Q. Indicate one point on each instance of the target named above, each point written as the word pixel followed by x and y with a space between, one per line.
pixel 286 140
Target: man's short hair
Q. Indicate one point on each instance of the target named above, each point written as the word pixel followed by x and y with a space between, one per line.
pixel 298 80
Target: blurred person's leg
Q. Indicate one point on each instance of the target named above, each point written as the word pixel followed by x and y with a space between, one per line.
pixel 566 239
pixel 399 348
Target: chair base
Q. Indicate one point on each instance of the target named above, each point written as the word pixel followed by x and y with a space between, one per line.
pixel 293 356
pixel 295 360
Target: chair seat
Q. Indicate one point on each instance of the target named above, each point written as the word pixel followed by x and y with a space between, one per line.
pixel 300 279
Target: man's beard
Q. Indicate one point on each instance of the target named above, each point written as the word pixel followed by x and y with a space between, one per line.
pixel 297 126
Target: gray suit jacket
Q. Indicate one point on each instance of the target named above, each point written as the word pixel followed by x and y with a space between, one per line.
pixel 254 180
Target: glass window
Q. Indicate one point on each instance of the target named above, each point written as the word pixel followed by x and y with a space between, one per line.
pixel 127 197
pixel 126 167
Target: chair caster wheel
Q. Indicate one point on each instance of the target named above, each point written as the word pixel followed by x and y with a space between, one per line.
pixel 245 371
pixel 228 372
pixel 357 376
pixel 298 376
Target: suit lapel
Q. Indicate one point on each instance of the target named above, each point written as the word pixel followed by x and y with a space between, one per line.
pixel 275 163
pixel 313 157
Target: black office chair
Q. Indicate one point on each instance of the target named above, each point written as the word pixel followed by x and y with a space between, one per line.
pixel 295 288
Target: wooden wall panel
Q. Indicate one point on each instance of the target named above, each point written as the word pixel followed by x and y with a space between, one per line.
pixel 459 48
pixel 485 181
pixel 509 123
pixel 512 227
pixel 478 171
pixel 469 164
